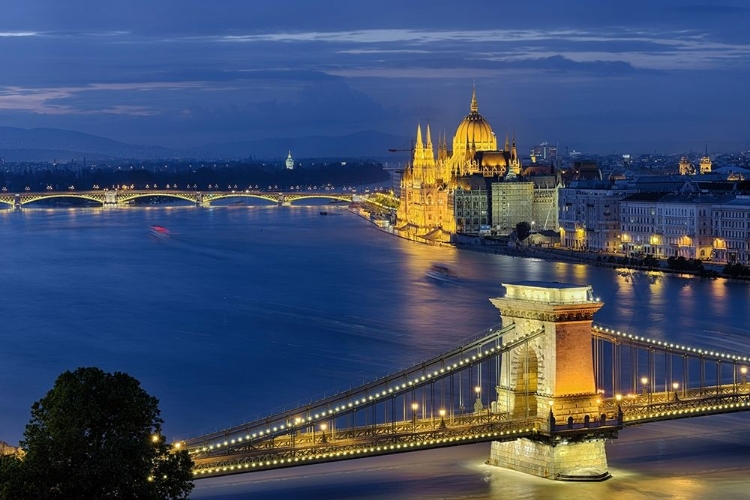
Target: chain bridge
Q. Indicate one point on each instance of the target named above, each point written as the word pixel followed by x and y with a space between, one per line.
pixel 547 388
pixel 113 198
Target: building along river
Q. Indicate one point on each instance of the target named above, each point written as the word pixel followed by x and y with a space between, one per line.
pixel 243 310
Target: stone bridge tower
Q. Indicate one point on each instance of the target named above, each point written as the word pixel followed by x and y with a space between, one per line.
pixel 551 374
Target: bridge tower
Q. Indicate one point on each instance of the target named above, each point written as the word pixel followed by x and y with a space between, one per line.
pixel 551 376
pixel 110 198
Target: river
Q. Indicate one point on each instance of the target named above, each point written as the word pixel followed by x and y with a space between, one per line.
pixel 243 310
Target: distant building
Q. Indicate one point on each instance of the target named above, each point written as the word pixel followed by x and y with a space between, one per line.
pixel 544 203
pixel 686 168
pixel 471 202
pixel 543 152
pixel 590 216
pixel 511 204
pixel 290 161
pixel 730 222
pixel 669 225
pixel 429 186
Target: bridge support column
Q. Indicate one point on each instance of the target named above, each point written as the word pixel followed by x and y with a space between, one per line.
pixel 551 374
pixel 585 460
pixel 17 201
pixel 110 198
pixel 201 200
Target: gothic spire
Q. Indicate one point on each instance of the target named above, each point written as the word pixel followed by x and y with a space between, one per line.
pixel 474 105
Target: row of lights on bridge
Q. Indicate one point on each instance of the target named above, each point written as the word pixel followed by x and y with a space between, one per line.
pixel 362 451
pixel 717 354
pixel 351 404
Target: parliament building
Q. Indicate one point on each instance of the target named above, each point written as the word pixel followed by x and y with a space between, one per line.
pixel 472 188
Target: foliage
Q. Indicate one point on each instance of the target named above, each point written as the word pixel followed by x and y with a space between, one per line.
pixel 682 264
pixel 11 477
pixel 650 261
pixel 242 174
pixel 98 435
pixel 736 270
pixel 523 230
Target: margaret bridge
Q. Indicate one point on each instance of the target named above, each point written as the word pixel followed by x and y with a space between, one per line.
pixel 547 388
pixel 113 198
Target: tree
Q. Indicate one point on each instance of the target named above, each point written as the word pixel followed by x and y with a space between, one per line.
pixel 523 230
pixel 98 435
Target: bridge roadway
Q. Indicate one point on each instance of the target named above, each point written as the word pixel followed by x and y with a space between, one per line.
pixel 404 381
pixel 294 437
pixel 123 197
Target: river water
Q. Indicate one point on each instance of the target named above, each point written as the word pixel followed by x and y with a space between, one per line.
pixel 244 310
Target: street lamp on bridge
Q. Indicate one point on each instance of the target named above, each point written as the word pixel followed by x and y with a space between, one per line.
pixel 442 418
pixel 675 386
pixel 323 428
pixel 414 408
pixel 743 372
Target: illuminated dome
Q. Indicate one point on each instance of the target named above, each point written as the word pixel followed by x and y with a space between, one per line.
pixel 474 131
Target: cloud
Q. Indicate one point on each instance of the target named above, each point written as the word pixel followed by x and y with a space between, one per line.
pixel 8 34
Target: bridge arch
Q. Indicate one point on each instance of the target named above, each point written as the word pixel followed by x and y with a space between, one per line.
pixel 124 197
pixel 33 198
pixel 210 197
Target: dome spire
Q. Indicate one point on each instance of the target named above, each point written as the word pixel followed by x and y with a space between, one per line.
pixel 474 105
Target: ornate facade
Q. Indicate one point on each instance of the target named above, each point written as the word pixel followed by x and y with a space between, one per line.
pixel 427 209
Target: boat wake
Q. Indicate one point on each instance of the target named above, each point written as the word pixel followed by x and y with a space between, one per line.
pixel 442 273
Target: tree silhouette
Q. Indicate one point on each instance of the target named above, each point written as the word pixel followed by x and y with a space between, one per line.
pixel 523 230
pixel 97 435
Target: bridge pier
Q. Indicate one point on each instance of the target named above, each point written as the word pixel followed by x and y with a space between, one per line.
pixel 110 199
pixel 17 201
pixel 551 377
pixel 585 460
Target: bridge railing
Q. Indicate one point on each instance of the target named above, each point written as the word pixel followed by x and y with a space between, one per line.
pixel 352 399
pixel 426 388
pixel 636 371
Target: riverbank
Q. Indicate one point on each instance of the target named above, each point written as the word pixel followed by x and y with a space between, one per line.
pixel 501 247
pixel 711 270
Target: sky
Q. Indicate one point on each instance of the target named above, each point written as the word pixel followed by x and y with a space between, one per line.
pixel 635 76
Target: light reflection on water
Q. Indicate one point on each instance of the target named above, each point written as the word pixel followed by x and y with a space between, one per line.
pixel 245 310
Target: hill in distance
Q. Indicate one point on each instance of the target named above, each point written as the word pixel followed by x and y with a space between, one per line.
pixel 45 144
pixel 368 144
pixel 48 144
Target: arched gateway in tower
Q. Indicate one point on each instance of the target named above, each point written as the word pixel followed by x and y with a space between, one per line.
pixel 551 375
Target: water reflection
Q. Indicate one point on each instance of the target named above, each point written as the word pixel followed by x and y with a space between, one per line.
pixel 247 309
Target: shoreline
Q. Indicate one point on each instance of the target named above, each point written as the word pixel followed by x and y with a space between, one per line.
pixel 556 255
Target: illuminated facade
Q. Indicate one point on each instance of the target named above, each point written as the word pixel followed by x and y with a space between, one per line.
pixel 686 168
pixel 730 223
pixel 668 225
pixel 429 185
pixel 590 216
pixel 289 161
pixel 511 204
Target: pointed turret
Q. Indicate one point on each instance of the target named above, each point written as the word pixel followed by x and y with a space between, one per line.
pixel 429 140
pixel 507 143
pixel 474 106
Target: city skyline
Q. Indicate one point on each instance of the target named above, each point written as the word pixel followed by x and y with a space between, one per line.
pixel 633 78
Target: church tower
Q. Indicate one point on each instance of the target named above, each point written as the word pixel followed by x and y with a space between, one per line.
pixel 705 163
pixel 289 161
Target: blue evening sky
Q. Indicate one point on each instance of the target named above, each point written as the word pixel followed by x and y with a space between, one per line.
pixel 633 76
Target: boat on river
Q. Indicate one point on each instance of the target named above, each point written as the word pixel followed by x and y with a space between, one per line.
pixel 441 272
pixel 159 232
